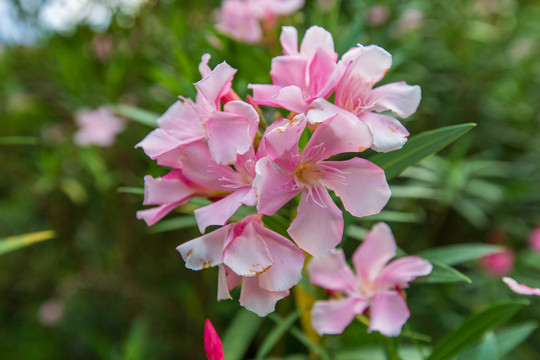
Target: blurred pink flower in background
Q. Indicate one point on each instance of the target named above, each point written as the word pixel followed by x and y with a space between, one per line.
pixel 520 288
pixel 534 239
pixel 240 19
pixel 377 285
pixel 499 263
pixel 212 343
pixel 97 127
pixel 378 15
pixel 51 312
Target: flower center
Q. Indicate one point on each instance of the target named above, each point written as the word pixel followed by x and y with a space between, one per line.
pixel 309 173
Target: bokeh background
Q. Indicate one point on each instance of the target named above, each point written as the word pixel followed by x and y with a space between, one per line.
pixel 108 287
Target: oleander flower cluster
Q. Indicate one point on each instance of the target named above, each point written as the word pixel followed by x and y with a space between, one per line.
pixel 219 147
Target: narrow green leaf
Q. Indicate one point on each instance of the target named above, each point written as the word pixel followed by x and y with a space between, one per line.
pixel 395 216
pixel 130 190
pixel 419 147
pixel 474 327
pixel 141 116
pixel 277 223
pixel 273 337
pixel 458 254
pixel 443 274
pixel 178 223
pixel 488 348
pixel 18 241
pixel 18 140
pixel 240 333
pixel 301 337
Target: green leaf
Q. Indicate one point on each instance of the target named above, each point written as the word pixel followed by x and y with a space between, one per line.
pixel 301 337
pixel 141 116
pixel 474 328
pixel 18 140
pixel 273 337
pixel 458 254
pixel 18 241
pixel 443 274
pixel 418 147
pixel 182 222
pixel 240 333
pixel 277 224
pixel 130 190
pixel 506 341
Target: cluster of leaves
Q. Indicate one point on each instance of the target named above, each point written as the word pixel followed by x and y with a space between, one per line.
pixel 124 290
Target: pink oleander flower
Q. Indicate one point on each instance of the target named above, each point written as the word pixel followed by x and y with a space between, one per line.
pixel 500 263
pixel 195 174
pixel 266 263
pixel 228 133
pixel 520 288
pixel 240 19
pixel 356 98
pixel 212 342
pixel 300 77
pixel 285 172
pixel 377 285
pixel 534 239
pixel 97 127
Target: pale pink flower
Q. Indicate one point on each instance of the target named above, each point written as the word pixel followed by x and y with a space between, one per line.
pixel 51 312
pixel 97 127
pixel 212 342
pixel 378 15
pixel 356 98
pixel 534 239
pixel 499 263
pixel 361 185
pixel 376 285
pixel 520 288
pixel 228 133
pixel 301 76
pixel 266 263
pixel 240 19
pixel 195 174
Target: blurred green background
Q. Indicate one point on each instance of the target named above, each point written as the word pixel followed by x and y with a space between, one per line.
pixel 108 287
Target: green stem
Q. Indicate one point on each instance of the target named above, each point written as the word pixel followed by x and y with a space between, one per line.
pixel 391 352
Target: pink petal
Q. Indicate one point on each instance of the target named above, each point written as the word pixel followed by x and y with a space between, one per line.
pixel 204 69
pixel 370 62
pixel 321 69
pixel 165 191
pixel 289 70
pixel 321 110
pixel 220 212
pixel 264 94
pixel 227 280
pixel 273 187
pixel 398 97
pixel 333 316
pixel 520 288
pixel 289 40
pixel 153 215
pixel 282 7
pixel 359 183
pixel 215 85
pixel 389 313
pixel 388 133
pixel 337 135
pixel 281 143
pixel 373 254
pixel 286 270
pixel 246 252
pixel 332 80
pixel 332 272
pixel 402 271
pixel 212 343
pixel 261 302
pixel 205 251
pixel 228 135
pixel 247 111
pixel 291 98
pixel 318 226
pixel 316 37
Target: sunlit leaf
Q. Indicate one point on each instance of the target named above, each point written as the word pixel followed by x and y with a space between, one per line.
pixel 443 274
pixel 141 116
pixel 458 254
pixel 18 241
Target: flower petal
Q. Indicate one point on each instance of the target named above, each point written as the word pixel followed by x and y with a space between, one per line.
pixel 273 187
pixel 289 70
pixel 248 112
pixel 333 316
pixel 402 271
pixel 398 97
pixel 388 133
pixel 261 302
pixel 520 288
pixel 205 251
pixel 228 135
pixel 220 212
pixel 286 270
pixel 373 254
pixel 281 143
pixel 318 226
pixel 389 312
pixel 289 40
pixel 316 37
pixel 159 191
pixel 215 85
pixel 370 62
pixel 153 215
pixel 332 272
pixel 291 98
pixel 227 280
pixel 321 110
pixel 212 343
pixel 359 183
